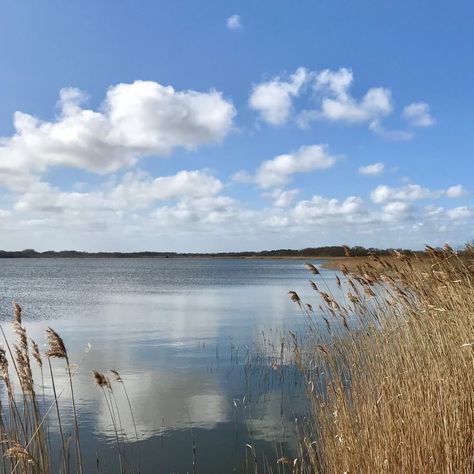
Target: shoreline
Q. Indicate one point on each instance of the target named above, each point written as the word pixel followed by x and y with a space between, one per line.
pixel 171 257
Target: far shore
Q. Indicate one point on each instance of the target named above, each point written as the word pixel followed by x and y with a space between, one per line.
pixel 334 252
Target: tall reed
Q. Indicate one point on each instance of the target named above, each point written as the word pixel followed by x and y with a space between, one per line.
pixel 395 368
pixel 24 422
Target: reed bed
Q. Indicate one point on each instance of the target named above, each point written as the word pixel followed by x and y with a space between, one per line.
pixel 30 416
pixel 389 368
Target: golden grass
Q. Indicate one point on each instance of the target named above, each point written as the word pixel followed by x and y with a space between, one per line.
pixel 396 363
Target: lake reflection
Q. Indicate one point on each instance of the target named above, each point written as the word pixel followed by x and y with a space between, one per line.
pixel 178 331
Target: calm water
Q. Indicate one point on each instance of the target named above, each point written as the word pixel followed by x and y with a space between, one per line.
pixel 180 332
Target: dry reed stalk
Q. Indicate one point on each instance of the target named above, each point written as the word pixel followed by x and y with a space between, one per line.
pixel 30 419
pixel 57 349
pixel 103 383
pixel 63 443
pixel 44 420
pixel 119 380
pixel 399 386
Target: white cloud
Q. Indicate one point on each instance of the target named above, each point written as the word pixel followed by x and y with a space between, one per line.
pixel 138 191
pixel 234 22
pixel 460 213
pixel 135 120
pixel 409 192
pixel 4 214
pixel 319 207
pixel 276 222
pixel 331 91
pixel 417 114
pixel 456 191
pixel 283 198
pixel 199 214
pixel 274 99
pixel 413 192
pixel 372 170
pixel 397 211
pixel 338 105
pixel 277 172
pixel 134 191
pixel 139 211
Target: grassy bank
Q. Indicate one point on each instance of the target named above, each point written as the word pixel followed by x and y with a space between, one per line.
pixel 391 377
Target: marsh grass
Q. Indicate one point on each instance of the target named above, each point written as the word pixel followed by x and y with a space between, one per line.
pixel 394 352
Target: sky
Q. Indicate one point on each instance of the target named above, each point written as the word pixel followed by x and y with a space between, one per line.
pixel 205 126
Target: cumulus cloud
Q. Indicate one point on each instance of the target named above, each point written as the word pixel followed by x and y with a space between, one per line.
pixel 338 104
pixel 205 213
pixel 412 192
pixel 132 212
pixel 281 197
pixel 460 213
pixel 134 191
pixel 234 22
pixel 456 191
pixel 135 120
pixel 372 170
pixel 417 114
pixel 273 99
pixel 137 190
pixel 277 172
pixel 319 207
pixel 397 211
pixel 329 98
pixel 409 192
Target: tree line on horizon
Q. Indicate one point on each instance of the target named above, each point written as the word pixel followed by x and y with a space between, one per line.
pixel 326 251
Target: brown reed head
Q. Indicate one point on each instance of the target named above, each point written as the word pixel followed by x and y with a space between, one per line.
pixel 294 297
pixel 17 312
pixel 36 353
pixel 20 331
pixel 24 370
pixel 4 366
pixel 100 379
pixel 116 376
pixel 56 347
pixel 347 251
pixel 312 268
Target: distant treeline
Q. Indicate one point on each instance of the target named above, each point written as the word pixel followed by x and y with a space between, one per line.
pixel 332 251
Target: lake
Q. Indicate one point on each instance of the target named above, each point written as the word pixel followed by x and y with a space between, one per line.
pixel 184 335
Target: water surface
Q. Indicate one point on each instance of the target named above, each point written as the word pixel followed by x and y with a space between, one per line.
pixel 179 331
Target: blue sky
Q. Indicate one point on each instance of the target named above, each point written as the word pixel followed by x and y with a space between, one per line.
pixel 210 125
